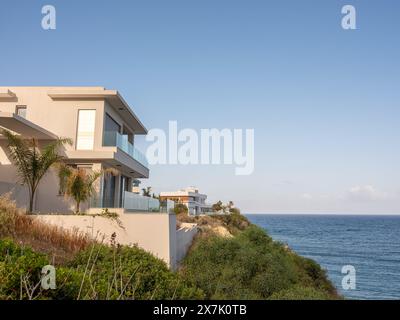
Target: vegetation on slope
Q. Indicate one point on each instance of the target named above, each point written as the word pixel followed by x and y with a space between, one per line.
pixel 60 244
pixel 222 225
pixel 98 273
pixel 84 269
pixel 247 264
pixel 251 265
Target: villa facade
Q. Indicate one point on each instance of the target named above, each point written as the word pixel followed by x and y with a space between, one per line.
pixel 102 127
pixel 191 198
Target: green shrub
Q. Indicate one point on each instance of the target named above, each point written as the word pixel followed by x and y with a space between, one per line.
pixel 69 282
pixel 313 274
pixel 300 293
pixel 234 222
pixel 125 273
pixel 20 271
pixel 250 266
pixel 100 272
pixel 180 209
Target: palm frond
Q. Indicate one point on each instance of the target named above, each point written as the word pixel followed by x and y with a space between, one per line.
pixel 63 172
pixel 78 183
pixel 32 164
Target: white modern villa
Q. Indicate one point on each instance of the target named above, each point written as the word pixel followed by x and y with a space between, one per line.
pixel 103 129
pixel 191 198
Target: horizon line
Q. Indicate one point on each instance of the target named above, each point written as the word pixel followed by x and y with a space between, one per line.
pixel 323 213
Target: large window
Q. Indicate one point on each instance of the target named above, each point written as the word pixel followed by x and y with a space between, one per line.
pixel 86 125
pixel 111 130
pixel 111 125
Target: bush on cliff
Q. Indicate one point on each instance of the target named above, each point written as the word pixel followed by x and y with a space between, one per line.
pixel 128 273
pixel 299 292
pixel 248 265
pixel 252 266
pixel 234 222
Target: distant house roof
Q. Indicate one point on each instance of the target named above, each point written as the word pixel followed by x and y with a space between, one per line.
pixel 191 191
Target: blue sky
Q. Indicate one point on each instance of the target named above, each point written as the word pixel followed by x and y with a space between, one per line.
pixel 324 102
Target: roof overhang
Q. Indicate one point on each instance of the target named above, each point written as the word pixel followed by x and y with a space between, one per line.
pixel 6 94
pixel 23 127
pixel 112 96
pixel 111 156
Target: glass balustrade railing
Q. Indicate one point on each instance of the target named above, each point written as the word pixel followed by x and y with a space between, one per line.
pixel 115 139
pixel 131 202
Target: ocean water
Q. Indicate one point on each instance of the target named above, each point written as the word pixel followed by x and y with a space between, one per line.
pixel 369 243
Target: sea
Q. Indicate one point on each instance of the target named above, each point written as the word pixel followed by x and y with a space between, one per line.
pixel 370 244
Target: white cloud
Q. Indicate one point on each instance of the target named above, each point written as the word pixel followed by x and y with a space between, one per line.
pixel 365 193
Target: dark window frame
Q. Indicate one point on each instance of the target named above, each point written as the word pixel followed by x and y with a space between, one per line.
pixel 21 107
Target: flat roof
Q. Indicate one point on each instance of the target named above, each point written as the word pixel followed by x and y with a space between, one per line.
pixel 5 93
pixel 182 193
pixel 112 96
pixel 23 127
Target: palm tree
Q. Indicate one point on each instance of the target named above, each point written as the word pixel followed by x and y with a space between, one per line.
pixel 217 206
pixel 78 184
pixel 31 162
pixel 147 192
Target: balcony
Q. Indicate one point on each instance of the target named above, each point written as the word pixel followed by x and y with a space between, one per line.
pixel 115 139
pixel 133 202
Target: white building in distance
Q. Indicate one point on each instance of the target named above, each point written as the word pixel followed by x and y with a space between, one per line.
pixel 191 198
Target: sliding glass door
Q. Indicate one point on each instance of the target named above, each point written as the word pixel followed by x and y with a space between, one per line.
pixel 108 191
pixel 124 186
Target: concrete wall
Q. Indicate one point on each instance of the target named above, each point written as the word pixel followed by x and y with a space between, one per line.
pixel 17 192
pixel 46 198
pixel 154 232
pixel 184 239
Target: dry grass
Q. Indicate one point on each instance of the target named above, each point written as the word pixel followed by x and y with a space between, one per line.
pixel 208 226
pixel 58 243
pixel 220 225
